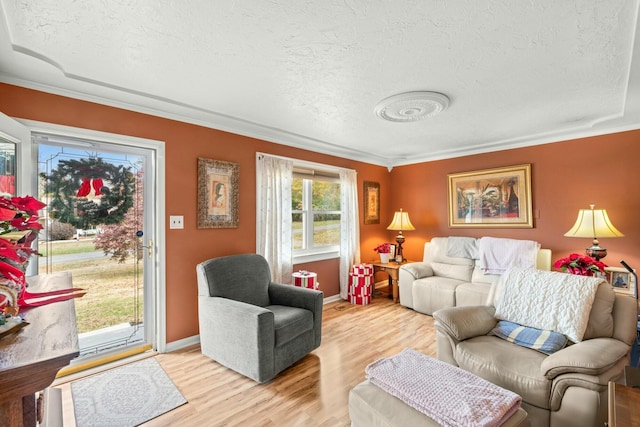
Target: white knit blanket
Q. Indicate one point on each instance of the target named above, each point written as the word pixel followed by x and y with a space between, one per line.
pixel 498 255
pixel 449 395
pixel 547 300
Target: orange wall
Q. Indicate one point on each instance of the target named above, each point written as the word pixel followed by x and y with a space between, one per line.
pixel 565 177
pixel 184 143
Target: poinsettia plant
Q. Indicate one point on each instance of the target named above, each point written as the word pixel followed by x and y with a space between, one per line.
pixel 19 221
pixel 19 227
pixel 582 265
pixel 383 248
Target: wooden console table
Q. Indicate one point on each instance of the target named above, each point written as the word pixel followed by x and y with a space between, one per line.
pixel 393 270
pixel 31 357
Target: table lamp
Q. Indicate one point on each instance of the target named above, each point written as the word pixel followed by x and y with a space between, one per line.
pixel 594 223
pixel 400 223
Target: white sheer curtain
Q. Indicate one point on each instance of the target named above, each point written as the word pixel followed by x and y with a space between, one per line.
pixel 349 227
pixel 273 215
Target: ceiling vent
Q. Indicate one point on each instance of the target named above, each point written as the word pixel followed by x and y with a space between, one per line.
pixel 411 106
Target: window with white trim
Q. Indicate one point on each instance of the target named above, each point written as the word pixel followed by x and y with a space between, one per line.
pixel 316 212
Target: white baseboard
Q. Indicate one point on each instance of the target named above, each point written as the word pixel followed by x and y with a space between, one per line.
pixel 183 343
pixel 332 298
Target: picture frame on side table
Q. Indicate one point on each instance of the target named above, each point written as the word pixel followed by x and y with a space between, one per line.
pixel 371 202
pixel 621 280
pixel 491 198
pixel 218 183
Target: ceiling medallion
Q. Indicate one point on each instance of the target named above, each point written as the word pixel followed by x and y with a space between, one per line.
pixel 411 106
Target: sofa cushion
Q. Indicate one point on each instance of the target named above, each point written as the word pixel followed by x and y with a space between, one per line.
pixel 453 271
pixel 507 365
pixel 472 294
pixel 547 342
pixel 479 276
pixel 433 293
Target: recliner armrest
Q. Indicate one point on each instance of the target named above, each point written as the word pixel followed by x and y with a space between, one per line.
pixel 417 270
pixel 591 357
pixel 465 322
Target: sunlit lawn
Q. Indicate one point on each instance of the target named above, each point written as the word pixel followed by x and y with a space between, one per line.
pixel 326 233
pixel 110 287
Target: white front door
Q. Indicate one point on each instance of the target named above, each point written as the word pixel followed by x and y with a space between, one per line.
pixel 101 222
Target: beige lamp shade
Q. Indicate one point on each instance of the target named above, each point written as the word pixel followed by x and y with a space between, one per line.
pixel 594 223
pixel 401 222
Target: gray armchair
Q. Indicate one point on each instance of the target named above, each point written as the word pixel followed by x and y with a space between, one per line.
pixel 249 323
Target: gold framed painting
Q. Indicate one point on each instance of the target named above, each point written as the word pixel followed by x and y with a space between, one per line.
pixel 218 183
pixel 491 198
pixel 371 202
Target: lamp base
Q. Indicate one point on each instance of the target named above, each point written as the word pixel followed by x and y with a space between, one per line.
pixel 399 241
pixel 596 252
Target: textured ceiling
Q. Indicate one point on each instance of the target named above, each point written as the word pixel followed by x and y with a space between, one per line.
pixel 310 73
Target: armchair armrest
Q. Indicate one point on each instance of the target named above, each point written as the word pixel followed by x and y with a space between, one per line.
pixel 591 357
pixel 238 335
pixel 465 322
pixel 417 270
pixel 294 296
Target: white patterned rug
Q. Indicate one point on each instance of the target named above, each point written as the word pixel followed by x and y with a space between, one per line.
pixel 125 396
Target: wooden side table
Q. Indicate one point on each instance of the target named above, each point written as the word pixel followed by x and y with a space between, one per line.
pixel 31 358
pixel 623 405
pixel 393 270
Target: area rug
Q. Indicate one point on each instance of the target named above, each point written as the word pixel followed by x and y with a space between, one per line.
pixel 125 396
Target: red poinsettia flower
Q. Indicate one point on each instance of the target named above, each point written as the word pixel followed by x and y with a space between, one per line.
pixel 582 265
pixel 10 251
pixel 7 214
pixel 28 204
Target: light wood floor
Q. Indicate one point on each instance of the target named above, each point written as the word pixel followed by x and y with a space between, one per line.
pixel 313 392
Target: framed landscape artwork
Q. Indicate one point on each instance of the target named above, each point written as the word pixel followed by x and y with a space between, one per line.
pixel 371 202
pixel 217 194
pixel 491 198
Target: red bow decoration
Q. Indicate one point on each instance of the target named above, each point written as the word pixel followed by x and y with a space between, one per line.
pixel 87 183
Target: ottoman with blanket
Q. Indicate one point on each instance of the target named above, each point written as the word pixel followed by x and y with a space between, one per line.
pixel 412 389
pixel 555 339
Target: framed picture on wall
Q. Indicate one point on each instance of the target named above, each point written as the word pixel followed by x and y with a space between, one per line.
pixel 371 202
pixel 491 198
pixel 217 194
pixel 621 280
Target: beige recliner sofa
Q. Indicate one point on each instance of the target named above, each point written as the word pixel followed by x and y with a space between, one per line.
pixel 567 388
pixel 442 281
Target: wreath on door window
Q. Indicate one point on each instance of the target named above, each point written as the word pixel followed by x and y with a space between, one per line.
pixel 89 192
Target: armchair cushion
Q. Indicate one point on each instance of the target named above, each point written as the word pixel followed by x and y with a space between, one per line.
pixel 507 365
pixel 289 322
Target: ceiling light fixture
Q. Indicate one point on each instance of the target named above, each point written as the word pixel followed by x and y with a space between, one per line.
pixel 411 106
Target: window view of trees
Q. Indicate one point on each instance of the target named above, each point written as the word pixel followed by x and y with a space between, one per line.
pixel 315 205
